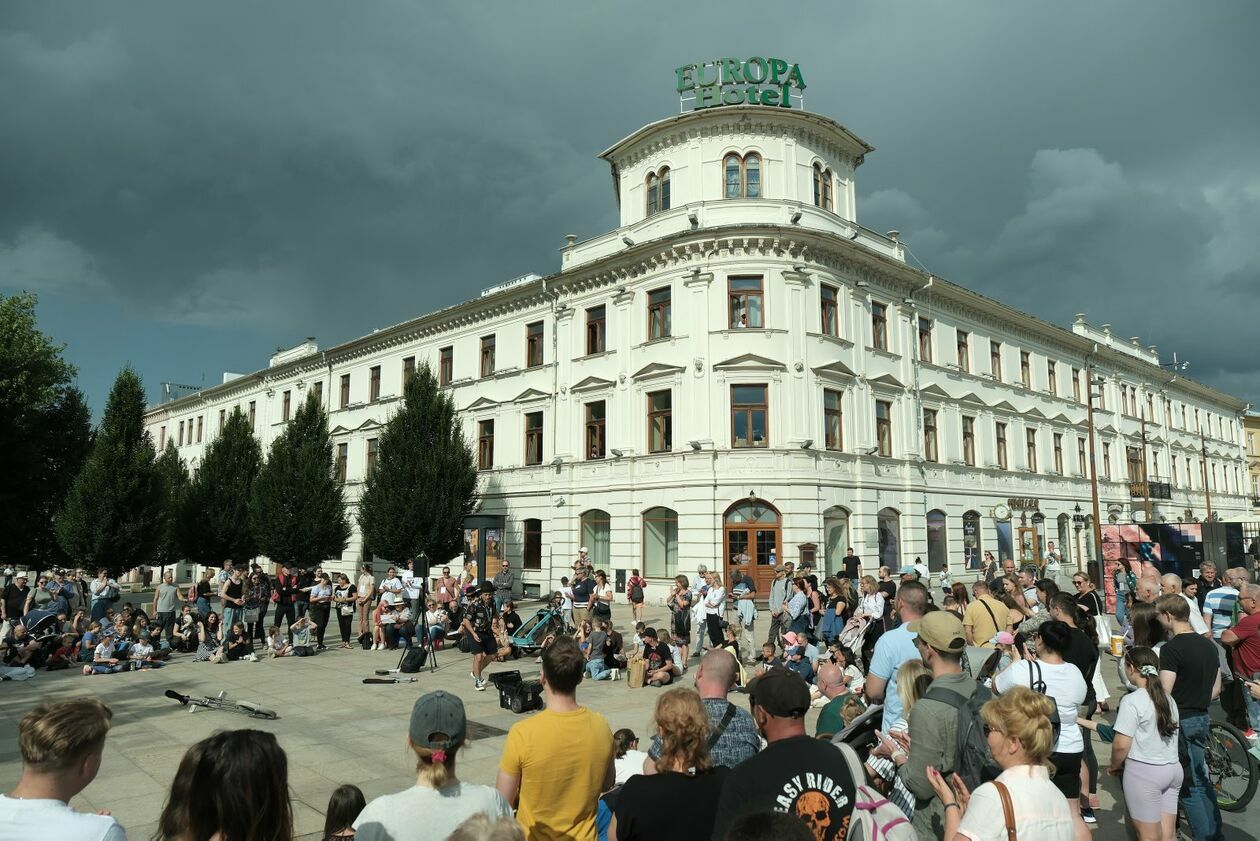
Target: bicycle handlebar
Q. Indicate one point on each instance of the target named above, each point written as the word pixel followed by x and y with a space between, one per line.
pixel 175 696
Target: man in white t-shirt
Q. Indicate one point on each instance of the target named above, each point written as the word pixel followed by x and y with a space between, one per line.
pixel 411 586
pixel 61 754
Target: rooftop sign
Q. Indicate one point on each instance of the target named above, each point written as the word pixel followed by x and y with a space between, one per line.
pixel 732 81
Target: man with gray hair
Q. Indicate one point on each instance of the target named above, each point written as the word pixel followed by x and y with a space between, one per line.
pixel 734 728
pixel 1147 590
pixel 1170 584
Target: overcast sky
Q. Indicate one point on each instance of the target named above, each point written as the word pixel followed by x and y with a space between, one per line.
pixel 188 185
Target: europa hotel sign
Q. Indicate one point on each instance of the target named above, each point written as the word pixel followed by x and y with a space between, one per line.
pixel 732 81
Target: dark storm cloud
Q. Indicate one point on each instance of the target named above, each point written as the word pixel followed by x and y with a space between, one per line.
pixel 239 175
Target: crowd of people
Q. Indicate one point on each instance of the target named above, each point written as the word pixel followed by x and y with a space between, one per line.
pixel 990 701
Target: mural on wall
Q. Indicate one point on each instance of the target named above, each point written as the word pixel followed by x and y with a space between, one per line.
pixel 1147 547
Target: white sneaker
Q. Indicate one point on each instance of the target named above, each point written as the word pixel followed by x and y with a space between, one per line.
pixel 378 647
pixel 479 685
pixel 253 658
pixel 616 674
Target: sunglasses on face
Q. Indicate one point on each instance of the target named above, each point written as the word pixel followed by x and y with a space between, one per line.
pixel 1079 583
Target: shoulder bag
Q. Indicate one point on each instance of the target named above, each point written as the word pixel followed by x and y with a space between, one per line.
pixel 1008 810
pixel 727 718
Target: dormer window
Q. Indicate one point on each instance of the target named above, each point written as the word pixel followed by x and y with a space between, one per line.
pixel 658 191
pixel 743 176
pixel 822 187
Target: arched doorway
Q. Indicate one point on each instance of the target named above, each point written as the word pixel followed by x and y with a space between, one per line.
pixel 972 549
pixel 890 539
pixel 937 542
pixel 751 542
pixel 835 538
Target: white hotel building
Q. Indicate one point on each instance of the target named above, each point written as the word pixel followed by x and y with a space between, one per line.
pixel 741 368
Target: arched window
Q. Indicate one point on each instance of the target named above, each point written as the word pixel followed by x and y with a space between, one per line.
pixel 973 554
pixel 835 538
pixel 742 176
pixel 660 543
pixel 937 541
pixel 822 187
pixel 889 539
pixel 596 536
pixel 658 191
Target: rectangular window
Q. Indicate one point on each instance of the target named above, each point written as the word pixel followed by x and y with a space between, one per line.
pixel 487 356
pixel 1106 460
pixel 749 412
pixel 162 437
pixel 595 430
pixel 1058 453
pixel 1076 384
pixel 744 302
pixel 533 344
pixel 318 390
pixel 1183 415
pixel 343 457
pixel 879 326
pixel 830 310
pixel 1172 462
pixel 929 435
pixel 660 421
pixel 595 337
pixel 969 440
pixel 222 420
pixel 1000 434
pixel 1082 461
pixel 345 390
pixel 200 422
pixel 1197 426
pixel 286 403
pixel 833 426
pixel 1025 369
pixel 533 437
pixel 995 360
pixel 374 383
pixel 660 303
pixel 1030 449
pixel 1133 459
pixel 373 447
pixel 408 368
pixel 1052 377
pixel 1102 396
pixel 446 365
pixel 962 348
pixel 925 340
pixel 252 414
pixel 531 552
pixel 883 428
pixel 181 434
pixel 485 444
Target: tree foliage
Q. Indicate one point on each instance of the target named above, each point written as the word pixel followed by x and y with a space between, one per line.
pixel 110 516
pixel 425 481
pixel 45 434
pixel 214 518
pixel 172 485
pixel 298 511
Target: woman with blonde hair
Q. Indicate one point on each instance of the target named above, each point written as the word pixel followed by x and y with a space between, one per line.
pixel 439 802
pixel 1017 727
pixel 714 607
pixel 684 773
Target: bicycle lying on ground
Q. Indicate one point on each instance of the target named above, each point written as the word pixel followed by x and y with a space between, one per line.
pixel 220 702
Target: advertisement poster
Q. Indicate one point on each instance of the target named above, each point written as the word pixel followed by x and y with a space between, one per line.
pixel 494 549
pixel 472 545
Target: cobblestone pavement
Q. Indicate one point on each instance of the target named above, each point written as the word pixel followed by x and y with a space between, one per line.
pixel 334 728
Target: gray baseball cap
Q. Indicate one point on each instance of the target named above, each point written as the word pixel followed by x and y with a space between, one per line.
pixel 439 714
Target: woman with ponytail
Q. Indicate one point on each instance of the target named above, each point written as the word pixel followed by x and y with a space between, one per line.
pixel 1145 750
pixel 1083 653
pixel 438 803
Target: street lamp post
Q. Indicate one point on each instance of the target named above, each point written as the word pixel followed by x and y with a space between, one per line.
pixel 1093 476
pixel 1078 523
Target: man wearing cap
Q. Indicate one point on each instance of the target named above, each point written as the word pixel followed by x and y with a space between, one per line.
pixel 795 774
pixel 439 802
pixel 557 762
pixel 478 624
pixel 933 721
pixel 14 598
pixel 894 648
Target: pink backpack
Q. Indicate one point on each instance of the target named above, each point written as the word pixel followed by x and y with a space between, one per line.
pixel 875 817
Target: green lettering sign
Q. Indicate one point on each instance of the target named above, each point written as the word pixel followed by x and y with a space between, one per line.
pixel 733 81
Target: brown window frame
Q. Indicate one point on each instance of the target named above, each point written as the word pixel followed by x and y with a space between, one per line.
pixel 962 349
pixel 487 356
pixel 883 428
pixel 371 453
pixel 341 464
pixel 1052 377
pixel 741 188
pixel 1076 384
pixel 660 423
pixel 823 187
pixel 999 437
pixel 995 360
pixel 1058 453
pixel 485 444
pixel 534 438
pixel 201 419
pixel 345 391
pixel 1082 458
pixel 286 403
pixel 531 547
pixel 317 389
pixel 1133 463
pixel 833 420
pixel 596 329
pixel 656 192
pixel 660 314
pixel 1030 450
pixel 969 440
pixel 534 338
pixel 253 414
pixel 446 365
pixel 925 339
pixel 829 310
pixel 739 301
pixel 930 450
pixel 222 421
pixel 596 427
pixel 879 325
pixel 408 368
pixel 749 410
pixel 1025 368
pixel 374 384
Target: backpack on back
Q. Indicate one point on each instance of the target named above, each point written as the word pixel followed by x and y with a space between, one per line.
pixel 875 817
pixel 973 761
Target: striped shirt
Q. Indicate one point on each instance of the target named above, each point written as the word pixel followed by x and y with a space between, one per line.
pixel 1218 609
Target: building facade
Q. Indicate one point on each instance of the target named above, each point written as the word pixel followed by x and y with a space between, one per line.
pixel 740 375
pixel 1251 422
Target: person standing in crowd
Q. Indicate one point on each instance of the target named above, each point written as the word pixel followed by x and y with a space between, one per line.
pixel 680 800
pixel 556 763
pixel 439 802
pixel 1244 640
pixel 732 731
pixel 894 648
pixel 105 593
pixel 343 601
pixel 320 596
pixel 636 585
pixel 795 773
pixel 1208 581
pixel 583 589
pixel 699 590
pixel 478 624
pixel 16 592
pixel 165 603
pixel 1017 729
pixel 1218 605
pixel 285 596
pixel 1123 581
pixel 302 595
pixel 61 746
pixel 257 600
pixel 504 582
pixel 985 617
pixel 365 596
pixel 200 593
pixel 232 596
pixel 1170 584
pixel 779 592
pixel 411 586
pixel 851 565
pixel 1190 672
pixel 1028 586
pixel 714 607
pixel 679 604
pixel 234 784
pixel 602 597
pixel 1082 652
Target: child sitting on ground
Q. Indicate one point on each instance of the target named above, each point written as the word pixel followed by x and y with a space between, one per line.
pixel 65 654
pixel 277 644
pixel 87 645
pixel 799 663
pixel 141 654
pixel 767 659
pixel 300 632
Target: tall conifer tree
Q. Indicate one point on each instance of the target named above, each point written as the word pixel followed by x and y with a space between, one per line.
pixel 172 485
pixel 214 519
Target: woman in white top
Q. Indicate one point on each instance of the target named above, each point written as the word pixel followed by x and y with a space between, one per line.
pixel 714 605
pixel 871 605
pixel 1018 731
pixel 1047 673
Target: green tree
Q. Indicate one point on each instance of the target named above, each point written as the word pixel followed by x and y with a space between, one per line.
pixel 298 511
pixel 214 517
pixel 172 485
pixel 45 433
pixel 111 512
pixel 425 481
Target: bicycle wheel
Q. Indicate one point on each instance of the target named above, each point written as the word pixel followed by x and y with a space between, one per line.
pixel 1231 767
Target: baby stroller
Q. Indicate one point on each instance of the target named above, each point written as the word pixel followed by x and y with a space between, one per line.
pixel 531 636
pixel 853 637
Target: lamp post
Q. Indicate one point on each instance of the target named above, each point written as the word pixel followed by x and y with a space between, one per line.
pixel 1093 474
pixel 1078 523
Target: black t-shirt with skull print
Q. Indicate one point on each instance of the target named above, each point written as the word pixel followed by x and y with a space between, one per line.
pixel 799 776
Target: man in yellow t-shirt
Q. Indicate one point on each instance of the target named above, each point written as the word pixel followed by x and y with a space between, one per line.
pixel 556 764
pixel 984 617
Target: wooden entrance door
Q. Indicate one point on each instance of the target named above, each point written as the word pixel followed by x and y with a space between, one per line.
pixel 752 543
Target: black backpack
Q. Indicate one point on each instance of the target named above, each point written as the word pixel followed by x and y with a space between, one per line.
pixel 413 660
pixel 365 642
pixel 636 592
pixel 973 761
